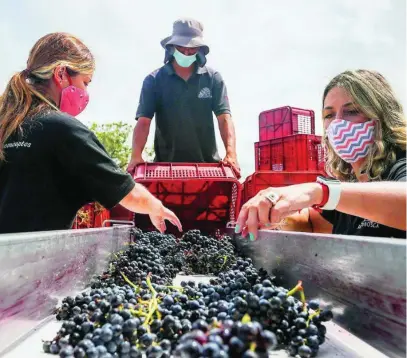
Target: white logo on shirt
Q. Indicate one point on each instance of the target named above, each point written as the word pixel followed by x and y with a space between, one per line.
pixel 17 145
pixel 205 93
pixel 368 223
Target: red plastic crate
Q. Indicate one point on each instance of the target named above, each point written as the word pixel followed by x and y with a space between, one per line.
pixel 204 196
pixel 265 179
pixel 285 121
pixel 121 213
pixel 293 153
pixel 91 216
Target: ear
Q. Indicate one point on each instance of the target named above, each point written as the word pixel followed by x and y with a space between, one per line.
pixel 60 75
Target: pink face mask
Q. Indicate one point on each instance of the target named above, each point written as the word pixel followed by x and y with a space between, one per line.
pixel 351 141
pixel 73 100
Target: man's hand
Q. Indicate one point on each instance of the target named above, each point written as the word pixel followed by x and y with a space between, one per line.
pixel 133 163
pixel 232 161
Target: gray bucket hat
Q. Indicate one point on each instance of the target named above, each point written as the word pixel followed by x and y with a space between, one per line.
pixel 186 33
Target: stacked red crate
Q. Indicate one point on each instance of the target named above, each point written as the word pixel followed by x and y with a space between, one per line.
pixel 285 121
pixel 260 180
pixel 288 152
pixel 292 153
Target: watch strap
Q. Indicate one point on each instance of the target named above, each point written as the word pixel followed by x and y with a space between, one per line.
pixel 325 195
pixel 334 193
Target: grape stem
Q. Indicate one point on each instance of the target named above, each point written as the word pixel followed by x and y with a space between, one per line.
pixel 128 281
pixel 181 289
pixel 150 286
pixel 225 258
pixel 311 316
pixel 153 303
pixel 295 289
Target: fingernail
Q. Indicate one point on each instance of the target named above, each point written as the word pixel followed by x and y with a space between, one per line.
pixel 251 237
pixel 267 224
pixel 237 229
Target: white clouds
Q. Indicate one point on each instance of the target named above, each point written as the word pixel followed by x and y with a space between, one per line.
pixel 270 52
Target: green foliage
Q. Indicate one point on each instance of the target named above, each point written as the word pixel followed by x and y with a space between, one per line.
pixel 149 154
pixel 115 139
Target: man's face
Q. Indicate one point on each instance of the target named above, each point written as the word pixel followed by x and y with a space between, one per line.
pixel 187 51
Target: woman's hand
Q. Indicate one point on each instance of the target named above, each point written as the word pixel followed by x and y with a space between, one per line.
pixel 270 206
pixel 159 214
pixel 140 200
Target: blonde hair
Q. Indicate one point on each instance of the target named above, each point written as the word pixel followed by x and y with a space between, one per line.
pixel 26 92
pixel 372 94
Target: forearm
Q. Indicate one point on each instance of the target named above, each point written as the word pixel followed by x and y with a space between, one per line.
pixel 140 135
pixel 381 202
pixel 227 132
pixel 140 200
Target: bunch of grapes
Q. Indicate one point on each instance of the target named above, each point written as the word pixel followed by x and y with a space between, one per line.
pixel 132 309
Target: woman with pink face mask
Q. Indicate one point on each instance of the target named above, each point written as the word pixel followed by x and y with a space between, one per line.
pixel 50 163
pixel 365 140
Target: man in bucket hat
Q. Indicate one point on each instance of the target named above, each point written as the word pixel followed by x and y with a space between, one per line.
pixel 182 95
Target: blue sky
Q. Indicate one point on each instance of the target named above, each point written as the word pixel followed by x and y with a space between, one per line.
pixel 270 53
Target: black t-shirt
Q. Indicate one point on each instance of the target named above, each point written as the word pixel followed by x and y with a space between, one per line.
pixel 183 113
pixel 344 224
pixel 52 168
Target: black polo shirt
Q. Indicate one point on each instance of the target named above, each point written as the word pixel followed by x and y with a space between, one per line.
pixel 54 167
pixel 184 113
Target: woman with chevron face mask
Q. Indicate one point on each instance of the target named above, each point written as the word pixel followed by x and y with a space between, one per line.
pixel 50 163
pixel 365 141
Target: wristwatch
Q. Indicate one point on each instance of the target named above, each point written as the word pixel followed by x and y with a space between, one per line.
pixel 331 189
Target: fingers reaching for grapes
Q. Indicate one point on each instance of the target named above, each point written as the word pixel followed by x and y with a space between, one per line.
pixel 158 220
pixel 254 214
pixel 252 223
pixel 172 218
pixel 163 227
pixel 270 206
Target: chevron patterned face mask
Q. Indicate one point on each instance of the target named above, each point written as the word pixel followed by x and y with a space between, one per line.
pixel 351 141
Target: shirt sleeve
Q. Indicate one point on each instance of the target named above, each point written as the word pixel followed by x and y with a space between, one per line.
pixel 147 102
pixel 329 215
pixel 398 172
pixel 220 100
pixel 82 155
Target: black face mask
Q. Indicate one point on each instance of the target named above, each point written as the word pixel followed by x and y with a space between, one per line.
pixel 200 57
